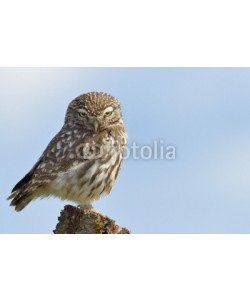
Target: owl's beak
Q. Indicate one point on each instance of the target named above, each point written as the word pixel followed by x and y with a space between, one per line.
pixel 96 125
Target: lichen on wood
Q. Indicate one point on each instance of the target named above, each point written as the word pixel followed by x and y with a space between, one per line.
pixel 75 220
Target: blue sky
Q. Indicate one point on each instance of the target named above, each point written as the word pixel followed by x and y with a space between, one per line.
pixel 204 112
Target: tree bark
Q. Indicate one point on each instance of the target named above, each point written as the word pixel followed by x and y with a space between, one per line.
pixel 75 220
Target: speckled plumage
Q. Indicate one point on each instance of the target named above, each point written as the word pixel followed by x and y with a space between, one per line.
pixel 82 162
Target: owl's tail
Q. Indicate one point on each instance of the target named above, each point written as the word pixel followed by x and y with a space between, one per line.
pixel 23 192
pixel 20 199
pixel 21 195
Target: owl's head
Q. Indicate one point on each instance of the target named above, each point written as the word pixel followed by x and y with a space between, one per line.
pixel 94 111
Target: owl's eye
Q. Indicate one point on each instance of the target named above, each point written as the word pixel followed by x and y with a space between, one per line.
pixel 108 113
pixel 82 114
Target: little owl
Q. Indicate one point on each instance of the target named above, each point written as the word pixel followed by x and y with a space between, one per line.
pixel 82 161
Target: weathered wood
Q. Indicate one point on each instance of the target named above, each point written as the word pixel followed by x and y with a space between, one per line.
pixel 75 220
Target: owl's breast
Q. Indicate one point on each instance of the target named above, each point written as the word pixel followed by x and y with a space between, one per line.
pixel 89 179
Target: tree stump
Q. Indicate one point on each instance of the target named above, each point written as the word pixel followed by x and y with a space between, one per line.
pixel 75 220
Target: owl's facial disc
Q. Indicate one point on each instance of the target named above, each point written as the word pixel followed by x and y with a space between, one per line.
pixel 96 122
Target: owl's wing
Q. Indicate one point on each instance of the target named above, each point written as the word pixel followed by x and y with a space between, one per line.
pixel 26 178
pixel 57 158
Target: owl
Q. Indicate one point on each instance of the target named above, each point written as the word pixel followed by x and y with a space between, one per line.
pixel 82 161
